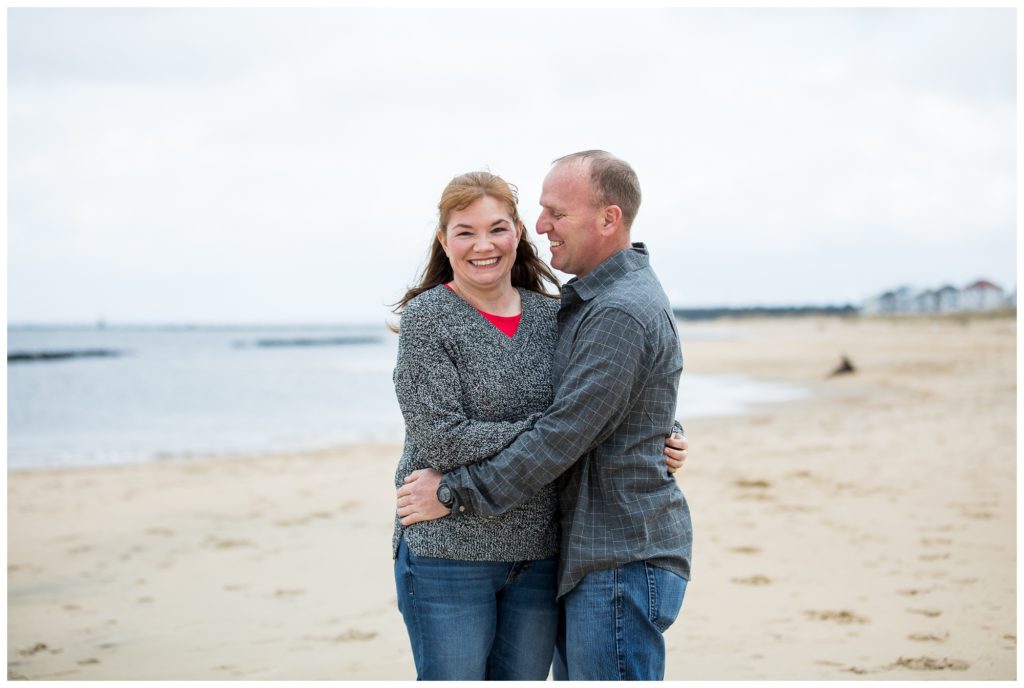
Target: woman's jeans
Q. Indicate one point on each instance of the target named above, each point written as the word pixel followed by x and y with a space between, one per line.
pixel 614 621
pixel 478 620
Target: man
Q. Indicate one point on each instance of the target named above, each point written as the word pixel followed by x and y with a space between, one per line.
pixel 625 525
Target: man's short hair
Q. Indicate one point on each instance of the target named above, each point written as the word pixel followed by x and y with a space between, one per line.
pixel 612 180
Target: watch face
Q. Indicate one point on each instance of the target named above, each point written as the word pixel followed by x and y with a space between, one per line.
pixel 444 494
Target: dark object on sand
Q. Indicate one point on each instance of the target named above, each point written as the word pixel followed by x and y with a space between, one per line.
pixel 33 356
pixel 845 366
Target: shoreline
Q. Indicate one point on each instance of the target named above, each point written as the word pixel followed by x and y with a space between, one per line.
pixel 852 534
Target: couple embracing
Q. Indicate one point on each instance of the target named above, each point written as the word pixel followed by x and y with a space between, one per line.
pixel 539 524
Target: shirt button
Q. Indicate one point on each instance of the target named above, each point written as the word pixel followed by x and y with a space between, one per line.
pixel 462 508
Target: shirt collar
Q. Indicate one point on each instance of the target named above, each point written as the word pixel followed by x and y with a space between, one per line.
pixel 593 283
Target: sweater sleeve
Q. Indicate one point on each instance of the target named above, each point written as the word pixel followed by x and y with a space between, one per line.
pixel 609 363
pixel 429 393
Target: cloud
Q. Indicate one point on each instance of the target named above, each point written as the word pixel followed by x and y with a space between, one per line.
pixel 279 164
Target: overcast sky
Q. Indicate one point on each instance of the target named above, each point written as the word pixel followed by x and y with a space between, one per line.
pixel 205 165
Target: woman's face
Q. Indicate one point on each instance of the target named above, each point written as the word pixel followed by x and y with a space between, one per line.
pixel 481 243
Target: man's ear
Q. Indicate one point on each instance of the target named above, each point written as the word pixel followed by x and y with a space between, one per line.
pixel 611 220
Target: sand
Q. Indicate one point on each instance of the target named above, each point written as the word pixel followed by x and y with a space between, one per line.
pixel 868 531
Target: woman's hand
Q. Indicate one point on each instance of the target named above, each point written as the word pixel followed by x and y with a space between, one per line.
pixel 417 498
pixel 675 452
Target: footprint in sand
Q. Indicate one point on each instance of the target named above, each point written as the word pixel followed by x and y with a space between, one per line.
pixel 934 557
pixel 221 543
pixel 752 484
pixel 283 593
pixel 754 490
pixel 936 542
pixel 90 660
pixel 839 616
pixel 978 515
pixel 302 520
pixel 164 532
pixel 753 580
pixel 39 647
pixel 351 635
pixel 929 637
pixel 929 664
pixel 746 549
pixel 930 613
pixel 913 592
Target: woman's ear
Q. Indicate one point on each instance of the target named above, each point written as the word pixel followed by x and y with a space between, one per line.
pixel 442 238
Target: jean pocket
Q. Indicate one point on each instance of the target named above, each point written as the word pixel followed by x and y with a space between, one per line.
pixel 666 596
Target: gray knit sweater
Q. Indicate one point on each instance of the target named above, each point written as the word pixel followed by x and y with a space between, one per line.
pixel 466 391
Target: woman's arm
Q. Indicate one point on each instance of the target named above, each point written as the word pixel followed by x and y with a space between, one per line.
pixel 429 393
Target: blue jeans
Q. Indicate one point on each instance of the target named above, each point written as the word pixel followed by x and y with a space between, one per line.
pixel 478 620
pixel 613 624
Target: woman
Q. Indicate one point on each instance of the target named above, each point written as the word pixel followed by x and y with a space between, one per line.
pixel 474 371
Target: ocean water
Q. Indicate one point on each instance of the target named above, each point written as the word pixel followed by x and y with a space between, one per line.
pixel 181 392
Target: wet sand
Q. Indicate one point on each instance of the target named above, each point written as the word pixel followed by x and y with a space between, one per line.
pixel 868 531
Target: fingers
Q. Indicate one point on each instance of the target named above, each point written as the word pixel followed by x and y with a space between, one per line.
pixel 677 441
pixel 409 520
pixel 415 474
pixel 675 455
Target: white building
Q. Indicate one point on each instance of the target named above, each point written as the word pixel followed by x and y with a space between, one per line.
pixel 982 296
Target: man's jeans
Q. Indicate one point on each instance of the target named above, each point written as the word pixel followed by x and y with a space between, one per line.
pixel 613 624
pixel 478 620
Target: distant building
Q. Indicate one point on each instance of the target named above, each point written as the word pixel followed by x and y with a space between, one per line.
pixel 982 296
pixel 927 302
pixel 882 304
pixel 947 299
pixel 905 301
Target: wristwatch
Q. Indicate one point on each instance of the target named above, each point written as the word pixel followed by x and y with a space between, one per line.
pixel 445 496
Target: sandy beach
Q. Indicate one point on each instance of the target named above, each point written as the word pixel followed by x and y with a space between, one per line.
pixel 868 531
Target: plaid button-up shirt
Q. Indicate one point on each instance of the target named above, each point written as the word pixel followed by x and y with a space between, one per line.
pixel 616 377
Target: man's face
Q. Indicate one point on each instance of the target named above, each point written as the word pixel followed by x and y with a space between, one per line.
pixel 570 219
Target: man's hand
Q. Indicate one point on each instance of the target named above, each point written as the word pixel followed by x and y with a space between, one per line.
pixel 417 498
pixel 675 452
